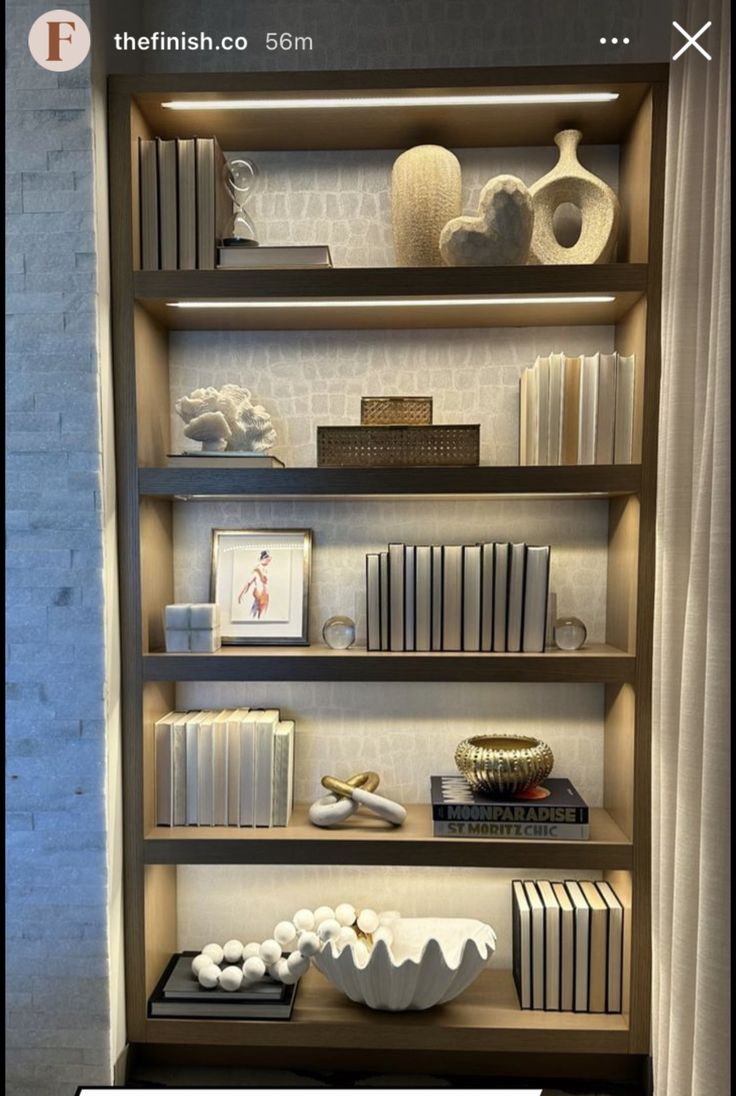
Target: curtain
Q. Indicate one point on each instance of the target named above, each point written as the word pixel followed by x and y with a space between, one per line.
pixel 691 739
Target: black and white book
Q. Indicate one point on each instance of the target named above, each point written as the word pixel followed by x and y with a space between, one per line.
pixel 285 257
pixel 521 935
pixel 164 759
pixel 536 597
pixel 220 766
pixel 192 751
pixel 581 914
pixel 452 597
pixel 515 610
pixel 500 594
pixel 486 608
pixel 373 601
pixel 598 950
pixel 396 560
pixel 167 203
pixel 437 584
pixel 551 946
pixel 383 573
pixel 516 831
pixel 187 203
pixel 248 766
pixel 604 440
pixel 624 415
pixel 537 938
pixel 265 727
pixel 454 800
pixel 614 984
pixel 283 772
pixel 471 596
pixel 423 598
pixel 409 597
pixel 567 947
pixel 148 181
pixel 179 995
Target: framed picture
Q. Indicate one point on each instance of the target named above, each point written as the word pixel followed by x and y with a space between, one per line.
pixel 260 580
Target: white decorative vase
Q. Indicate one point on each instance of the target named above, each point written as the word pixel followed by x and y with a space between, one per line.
pixel 425 195
pixel 431 960
pixel 501 233
pixel 569 181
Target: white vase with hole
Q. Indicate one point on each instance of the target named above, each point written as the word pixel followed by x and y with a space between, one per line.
pixel 570 182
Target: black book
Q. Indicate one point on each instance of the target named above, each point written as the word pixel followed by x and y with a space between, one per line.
pixel 179 994
pixel 453 800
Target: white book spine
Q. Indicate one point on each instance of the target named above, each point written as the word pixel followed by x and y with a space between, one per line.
pixel 396 559
pixel 452 594
pixel 164 757
pixel 604 437
pixel 437 597
pixel 500 595
pixel 537 934
pixel 515 609
pixel 409 597
pixel 423 598
pixel 486 615
pixel 542 367
pixel 373 602
pixel 471 597
pixel 233 770
pixel 265 727
pixel 521 936
pixel 192 768
pixel 205 774
pixel 220 774
pixel 383 572
pixel 624 416
pixel 179 746
pixel 248 769
pixel 554 430
pixel 536 597
pixel 588 409
pixel 582 945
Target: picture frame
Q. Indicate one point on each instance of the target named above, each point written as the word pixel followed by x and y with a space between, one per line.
pixel 260 580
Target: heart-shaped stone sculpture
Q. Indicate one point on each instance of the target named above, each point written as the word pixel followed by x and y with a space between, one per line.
pixel 501 233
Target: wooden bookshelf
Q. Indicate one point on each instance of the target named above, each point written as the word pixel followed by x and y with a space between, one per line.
pixel 484 1028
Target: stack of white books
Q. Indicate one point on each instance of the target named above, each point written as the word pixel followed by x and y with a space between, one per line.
pixel 228 768
pixel 457 597
pixel 577 410
pixel 568 945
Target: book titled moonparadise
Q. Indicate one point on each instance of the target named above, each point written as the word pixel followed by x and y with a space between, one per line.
pixel 458 811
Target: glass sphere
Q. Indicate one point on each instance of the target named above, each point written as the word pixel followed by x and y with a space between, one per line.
pixel 339 632
pixel 570 633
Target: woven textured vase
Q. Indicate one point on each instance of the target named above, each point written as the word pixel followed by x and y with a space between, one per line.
pixel 569 181
pixel 504 764
pixel 425 195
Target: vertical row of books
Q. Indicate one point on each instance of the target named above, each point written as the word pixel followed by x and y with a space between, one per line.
pixel 577 410
pixel 185 203
pixel 450 597
pixel 568 946
pixel 224 768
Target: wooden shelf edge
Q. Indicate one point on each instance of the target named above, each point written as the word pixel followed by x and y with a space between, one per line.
pixel 596 664
pixel 486 1017
pixel 368 842
pixel 574 482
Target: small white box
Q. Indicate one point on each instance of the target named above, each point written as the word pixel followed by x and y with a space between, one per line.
pixel 204 640
pixel 177 616
pixel 177 639
pixel 204 615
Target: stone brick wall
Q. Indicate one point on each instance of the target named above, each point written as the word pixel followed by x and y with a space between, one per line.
pixel 57 963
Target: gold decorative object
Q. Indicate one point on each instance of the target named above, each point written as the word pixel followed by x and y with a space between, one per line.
pixel 395 410
pixel 425 195
pixel 569 181
pixel 503 764
pixel 437 446
pixel 344 788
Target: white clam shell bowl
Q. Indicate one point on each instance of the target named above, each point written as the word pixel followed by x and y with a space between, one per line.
pixel 430 961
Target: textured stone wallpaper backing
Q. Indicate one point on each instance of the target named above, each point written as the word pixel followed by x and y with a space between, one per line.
pixel 305 379
pixel 246 902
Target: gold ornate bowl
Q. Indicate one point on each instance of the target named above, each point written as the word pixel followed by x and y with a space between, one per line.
pixel 504 764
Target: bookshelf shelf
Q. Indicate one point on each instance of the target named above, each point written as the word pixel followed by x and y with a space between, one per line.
pixel 365 842
pixel 485 1017
pixel 574 482
pixel 484 1029
pixel 306 299
pixel 595 663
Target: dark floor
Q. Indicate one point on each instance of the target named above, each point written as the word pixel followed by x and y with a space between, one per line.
pixel 155 1076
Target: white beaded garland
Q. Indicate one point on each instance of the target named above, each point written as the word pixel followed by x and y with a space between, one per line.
pixel 254 968
pixel 345 914
pixel 215 952
pixel 284 933
pixel 304 920
pixel 199 962
pixel 347 936
pixel 360 954
pixel 251 950
pixel 368 920
pixel 297 963
pixel 233 951
pixel 279 969
pixel 329 929
pixel 323 913
pixel 270 951
pixel 231 979
pixel 209 976
pixel 309 943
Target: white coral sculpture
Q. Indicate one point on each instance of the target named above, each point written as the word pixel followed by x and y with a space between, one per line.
pixel 225 419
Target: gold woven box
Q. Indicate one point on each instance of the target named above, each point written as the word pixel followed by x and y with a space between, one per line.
pixel 398 446
pixel 395 410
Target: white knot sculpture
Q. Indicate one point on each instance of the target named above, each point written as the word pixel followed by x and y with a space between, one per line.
pixel 224 419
